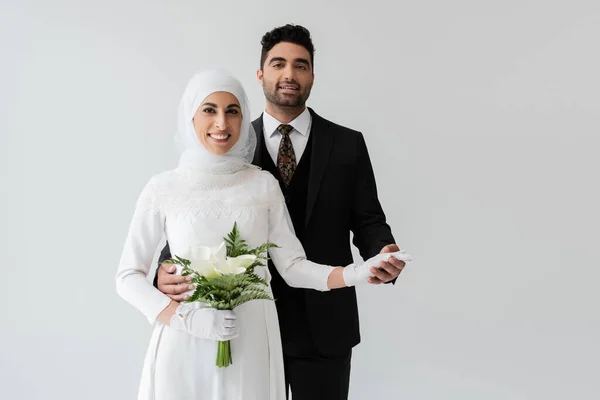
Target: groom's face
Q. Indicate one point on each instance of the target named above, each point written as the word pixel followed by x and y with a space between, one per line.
pixel 287 75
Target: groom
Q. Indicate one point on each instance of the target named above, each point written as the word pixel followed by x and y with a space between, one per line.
pixel 326 177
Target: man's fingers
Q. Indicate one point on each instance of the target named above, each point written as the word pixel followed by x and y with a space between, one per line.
pixel 390 248
pixel 168 280
pixel 389 268
pixel 174 286
pixel 398 264
pixel 375 281
pixel 179 297
pixel 168 268
pixel 175 289
pixel 165 277
pixel 381 274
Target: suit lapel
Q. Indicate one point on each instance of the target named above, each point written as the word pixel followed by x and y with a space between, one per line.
pixel 260 141
pixel 322 142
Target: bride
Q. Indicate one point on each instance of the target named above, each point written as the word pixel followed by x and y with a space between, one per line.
pixel 195 204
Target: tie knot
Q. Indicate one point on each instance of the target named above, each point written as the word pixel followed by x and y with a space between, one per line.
pixel 285 129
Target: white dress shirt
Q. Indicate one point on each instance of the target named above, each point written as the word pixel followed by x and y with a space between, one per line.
pixel 299 135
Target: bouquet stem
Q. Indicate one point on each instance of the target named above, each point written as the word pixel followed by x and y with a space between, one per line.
pixel 224 353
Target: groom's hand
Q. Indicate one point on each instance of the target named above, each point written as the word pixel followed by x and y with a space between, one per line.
pixel 389 270
pixel 173 285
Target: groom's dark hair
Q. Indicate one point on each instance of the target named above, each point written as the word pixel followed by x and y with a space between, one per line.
pixel 289 33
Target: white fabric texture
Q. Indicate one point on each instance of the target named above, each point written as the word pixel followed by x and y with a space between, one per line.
pixel 299 135
pixel 193 208
pixel 205 323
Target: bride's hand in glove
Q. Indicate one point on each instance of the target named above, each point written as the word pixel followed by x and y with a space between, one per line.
pixel 205 323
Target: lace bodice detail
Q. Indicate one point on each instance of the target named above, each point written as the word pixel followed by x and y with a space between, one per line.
pixel 186 192
pixel 191 208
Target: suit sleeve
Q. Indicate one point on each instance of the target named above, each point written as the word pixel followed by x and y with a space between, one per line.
pixel 368 224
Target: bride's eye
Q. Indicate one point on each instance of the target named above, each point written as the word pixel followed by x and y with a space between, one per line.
pixel 232 111
pixel 208 110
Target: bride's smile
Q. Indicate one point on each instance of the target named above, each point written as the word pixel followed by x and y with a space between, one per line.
pixel 217 122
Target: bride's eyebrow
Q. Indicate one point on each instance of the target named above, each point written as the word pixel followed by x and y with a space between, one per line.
pixel 216 106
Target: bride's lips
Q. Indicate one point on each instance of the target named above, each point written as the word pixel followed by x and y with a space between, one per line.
pixel 219 137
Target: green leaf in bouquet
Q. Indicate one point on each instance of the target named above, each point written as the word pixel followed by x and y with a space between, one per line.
pixel 177 261
pixel 248 297
pixel 263 249
pixel 236 246
pixel 255 279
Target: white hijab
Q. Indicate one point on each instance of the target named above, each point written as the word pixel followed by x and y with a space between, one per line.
pixel 192 153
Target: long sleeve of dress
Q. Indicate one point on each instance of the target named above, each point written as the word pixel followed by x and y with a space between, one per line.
pixel 289 258
pixel 142 240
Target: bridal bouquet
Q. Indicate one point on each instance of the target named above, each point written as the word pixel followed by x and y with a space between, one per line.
pixel 224 278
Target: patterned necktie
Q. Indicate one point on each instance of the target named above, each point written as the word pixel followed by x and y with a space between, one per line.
pixel 286 158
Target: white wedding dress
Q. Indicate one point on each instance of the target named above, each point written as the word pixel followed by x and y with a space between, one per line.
pixel 195 208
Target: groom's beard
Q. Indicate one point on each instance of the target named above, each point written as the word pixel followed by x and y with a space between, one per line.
pixel 273 95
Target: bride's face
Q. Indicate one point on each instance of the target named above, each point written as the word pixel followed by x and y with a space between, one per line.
pixel 217 122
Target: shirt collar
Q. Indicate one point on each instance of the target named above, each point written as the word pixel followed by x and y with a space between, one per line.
pixel 301 123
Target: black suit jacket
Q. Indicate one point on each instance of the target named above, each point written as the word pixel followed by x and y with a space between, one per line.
pixel 341 198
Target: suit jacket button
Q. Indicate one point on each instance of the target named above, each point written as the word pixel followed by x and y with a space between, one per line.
pixel 288 198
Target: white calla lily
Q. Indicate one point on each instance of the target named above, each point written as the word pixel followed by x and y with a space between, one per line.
pixel 243 261
pixel 236 265
pixel 206 260
pixel 211 262
pixel 204 268
pixel 219 252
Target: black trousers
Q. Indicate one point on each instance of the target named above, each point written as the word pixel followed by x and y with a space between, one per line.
pixel 318 377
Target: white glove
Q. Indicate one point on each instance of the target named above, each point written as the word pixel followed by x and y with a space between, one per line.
pixel 205 323
pixel 359 273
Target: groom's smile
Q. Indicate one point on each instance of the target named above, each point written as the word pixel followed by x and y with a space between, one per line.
pixel 289 88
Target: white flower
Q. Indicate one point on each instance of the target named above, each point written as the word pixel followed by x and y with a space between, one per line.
pixel 211 262
pixel 236 265
pixel 204 259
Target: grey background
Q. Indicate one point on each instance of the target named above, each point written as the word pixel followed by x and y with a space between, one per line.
pixel 482 123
